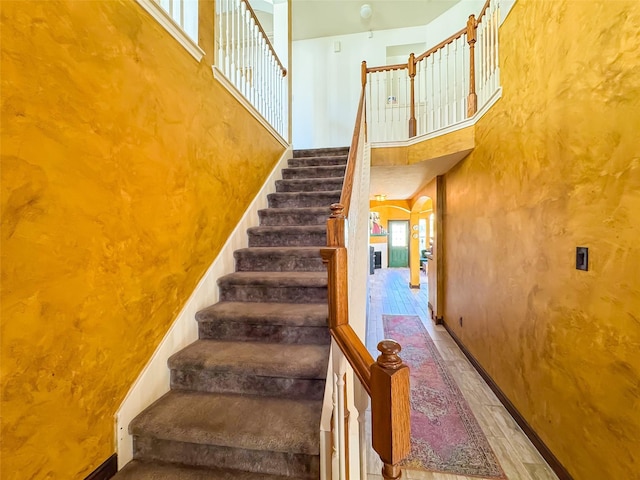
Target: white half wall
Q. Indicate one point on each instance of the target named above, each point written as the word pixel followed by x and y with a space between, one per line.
pixel 153 382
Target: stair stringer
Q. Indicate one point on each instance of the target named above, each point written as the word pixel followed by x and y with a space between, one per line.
pixel 153 381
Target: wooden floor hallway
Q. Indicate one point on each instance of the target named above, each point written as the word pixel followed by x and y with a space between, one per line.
pixel 390 294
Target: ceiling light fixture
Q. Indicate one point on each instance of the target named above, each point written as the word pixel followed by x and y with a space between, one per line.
pixel 380 197
pixel 366 11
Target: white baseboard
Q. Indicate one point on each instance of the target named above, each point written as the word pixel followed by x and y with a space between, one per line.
pixel 153 382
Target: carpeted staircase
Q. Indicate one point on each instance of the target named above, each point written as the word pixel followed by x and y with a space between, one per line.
pixel 246 398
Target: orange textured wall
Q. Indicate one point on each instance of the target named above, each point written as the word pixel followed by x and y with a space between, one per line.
pixel 557 166
pixel 125 166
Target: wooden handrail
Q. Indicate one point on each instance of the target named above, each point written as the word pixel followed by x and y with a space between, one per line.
pixel 264 35
pixel 442 44
pixel 483 11
pixel 386 68
pixel 345 195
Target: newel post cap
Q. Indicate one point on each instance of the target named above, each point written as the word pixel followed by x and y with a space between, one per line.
pixel 388 357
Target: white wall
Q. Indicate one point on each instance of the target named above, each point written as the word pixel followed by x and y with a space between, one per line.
pixel 326 84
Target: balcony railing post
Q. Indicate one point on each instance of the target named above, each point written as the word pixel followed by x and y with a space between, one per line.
pixel 363 73
pixel 390 426
pixel 472 100
pixel 412 100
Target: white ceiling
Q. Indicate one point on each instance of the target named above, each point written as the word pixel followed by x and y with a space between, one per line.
pixel 401 182
pixel 324 18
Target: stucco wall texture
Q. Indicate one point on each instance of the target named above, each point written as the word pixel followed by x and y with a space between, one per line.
pixel 125 167
pixel 557 166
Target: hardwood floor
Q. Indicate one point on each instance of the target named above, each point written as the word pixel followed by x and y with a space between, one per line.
pixel 390 294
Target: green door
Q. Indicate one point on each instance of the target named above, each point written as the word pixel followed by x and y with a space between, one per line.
pixel 398 243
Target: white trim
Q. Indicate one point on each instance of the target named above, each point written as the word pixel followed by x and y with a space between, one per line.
pixel 170 25
pixel 226 83
pixel 153 381
pixel 469 122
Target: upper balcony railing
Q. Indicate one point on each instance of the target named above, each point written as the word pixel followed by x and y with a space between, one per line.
pixel 246 57
pixel 439 88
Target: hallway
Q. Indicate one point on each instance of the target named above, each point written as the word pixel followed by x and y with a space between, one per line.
pixel 390 294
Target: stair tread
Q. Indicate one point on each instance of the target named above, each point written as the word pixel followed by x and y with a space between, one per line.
pixel 318 210
pixel 283 279
pixel 314 168
pixel 321 152
pixel 293 229
pixel 254 358
pixel 312 314
pixel 298 251
pixel 307 194
pixel 230 420
pixel 138 470
pixel 313 179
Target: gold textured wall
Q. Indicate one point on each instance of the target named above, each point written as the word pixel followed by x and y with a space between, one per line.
pixel 556 166
pixel 124 169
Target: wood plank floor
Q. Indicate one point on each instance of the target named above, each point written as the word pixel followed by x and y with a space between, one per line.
pixel 390 294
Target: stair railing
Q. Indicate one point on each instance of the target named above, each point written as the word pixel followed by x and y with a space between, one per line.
pixel 246 57
pixel 354 376
pixel 439 88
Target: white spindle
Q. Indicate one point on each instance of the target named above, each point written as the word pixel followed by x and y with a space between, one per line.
pixel 447 118
pixel 361 400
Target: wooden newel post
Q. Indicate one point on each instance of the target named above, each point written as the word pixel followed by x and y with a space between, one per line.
pixel 472 100
pixel 390 426
pixel 363 73
pixel 336 225
pixel 412 102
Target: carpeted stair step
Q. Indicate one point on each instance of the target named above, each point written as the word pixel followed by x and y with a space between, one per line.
pixel 294 216
pixel 309 184
pixel 317 161
pixel 279 259
pixel 251 368
pixel 277 436
pixel 319 172
pixel 287 236
pixel 265 322
pixel 137 470
pixel 321 152
pixel 278 287
pixel 303 199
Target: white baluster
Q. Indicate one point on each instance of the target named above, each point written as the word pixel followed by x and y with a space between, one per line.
pixel 342 460
pixel 254 61
pixel 447 118
pixel 361 400
pixel 496 63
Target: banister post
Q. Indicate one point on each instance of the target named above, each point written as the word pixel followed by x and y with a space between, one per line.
pixel 472 100
pixel 390 426
pixel 412 102
pixel 336 226
pixel 363 73
pixel 335 259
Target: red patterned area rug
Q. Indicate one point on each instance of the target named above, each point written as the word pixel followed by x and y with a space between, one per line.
pixel 445 436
